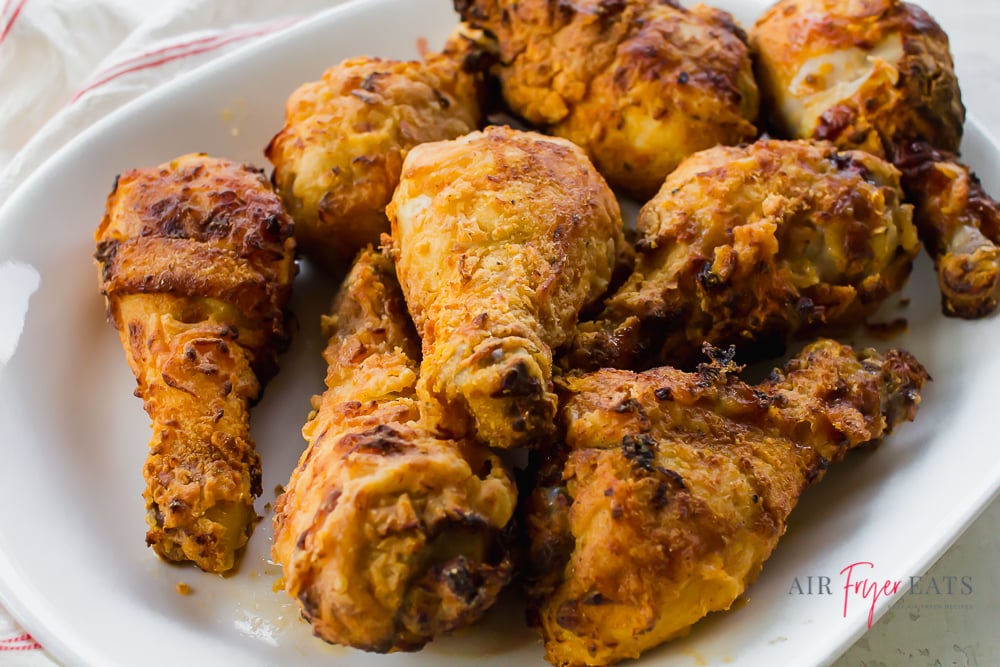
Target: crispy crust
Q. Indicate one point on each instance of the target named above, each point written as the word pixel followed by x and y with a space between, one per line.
pixel 913 97
pixel 753 246
pixel 338 157
pixel 196 263
pixel 387 534
pixel 959 224
pixel 640 85
pixel 878 75
pixel 674 488
pixel 502 237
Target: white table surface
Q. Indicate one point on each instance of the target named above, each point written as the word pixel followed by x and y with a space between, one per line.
pixel 957 630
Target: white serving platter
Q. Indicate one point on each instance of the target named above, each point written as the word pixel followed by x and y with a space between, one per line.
pixel 73 565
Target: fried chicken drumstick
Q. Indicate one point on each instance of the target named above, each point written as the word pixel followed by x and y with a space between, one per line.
pixel 196 263
pixel 753 246
pixel 338 157
pixel 640 84
pixel 878 75
pixel 387 534
pixel 501 238
pixel 674 488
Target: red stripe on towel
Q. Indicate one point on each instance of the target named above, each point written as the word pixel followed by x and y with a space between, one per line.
pixel 203 45
pixel 33 646
pixel 19 638
pixel 22 642
pixel 165 49
pixel 13 17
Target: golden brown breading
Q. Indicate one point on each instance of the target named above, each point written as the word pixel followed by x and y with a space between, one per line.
pixel 501 238
pixel 640 84
pixel 674 488
pixel 387 534
pixel 752 246
pixel 878 75
pixel 858 73
pixel 338 157
pixel 959 225
pixel 197 260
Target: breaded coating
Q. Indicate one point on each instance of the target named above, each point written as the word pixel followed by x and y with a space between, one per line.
pixel 959 224
pixel 640 84
pixel 753 246
pixel 338 157
pixel 674 488
pixel 387 534
pixel 501 238
pixel 860 73
pixel 878 75
pixel 196 263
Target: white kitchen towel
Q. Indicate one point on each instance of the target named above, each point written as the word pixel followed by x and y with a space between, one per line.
pixel 66 63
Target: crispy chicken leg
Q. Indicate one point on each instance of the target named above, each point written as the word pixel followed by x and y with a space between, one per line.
pixel 640 84
pixel 338 157
pixel 197 261
pixel 501 238
pixel 959 224
pixel 674 488
pixel 878 75
pixel 753 246
pixel 387 534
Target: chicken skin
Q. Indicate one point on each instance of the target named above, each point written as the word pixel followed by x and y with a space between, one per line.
pixel 640 84
pixel 877 75
pixel 387 534
pixel 752 246
pixel 338 157
pixel 501 237
pixel 196 263
pixel 674 488
pixel 959 224
pixel 866 73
